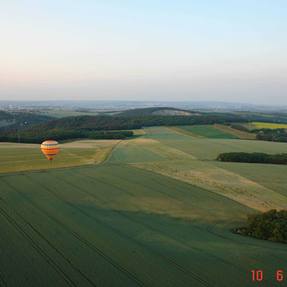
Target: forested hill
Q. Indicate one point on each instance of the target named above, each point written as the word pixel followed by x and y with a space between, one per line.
pixel 123 122
pixel 19 120
pixel 93 126
pixel 157 111
pixel 5 116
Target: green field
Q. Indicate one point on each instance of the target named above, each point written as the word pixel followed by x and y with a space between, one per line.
pixel 208 131
pixel 236 133
pixel 19 157
pixel 156 210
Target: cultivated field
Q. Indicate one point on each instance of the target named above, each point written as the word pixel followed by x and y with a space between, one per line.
pixel 262 125
pixel 216 131
pixel 236 133
pixel 207 131
pixel 155 210
pixel 19 157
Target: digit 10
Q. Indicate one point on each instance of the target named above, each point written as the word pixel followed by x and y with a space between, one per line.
pixel 257 275
pixel 279 275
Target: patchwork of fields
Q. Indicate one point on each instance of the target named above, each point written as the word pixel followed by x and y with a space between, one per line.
pixel 156 210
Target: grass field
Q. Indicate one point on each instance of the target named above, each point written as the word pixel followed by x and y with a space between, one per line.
pixel 156 210
pixel 208 131
pixel 236 133
pixel 20 157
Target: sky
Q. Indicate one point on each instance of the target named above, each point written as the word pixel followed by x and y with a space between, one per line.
pixel 161 50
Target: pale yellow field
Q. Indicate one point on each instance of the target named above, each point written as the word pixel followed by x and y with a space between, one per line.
pixel 261 125
pixel 221 181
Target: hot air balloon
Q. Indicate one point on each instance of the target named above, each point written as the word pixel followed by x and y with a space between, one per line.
pixel 50 149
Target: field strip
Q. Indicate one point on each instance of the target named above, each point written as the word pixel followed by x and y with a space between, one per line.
pixel 267 125
pixel 170 153
pixel 157 147
pixel 139 132
pixel 19 145
pixel 110 153
pixel 180 131
pixel 65 151
pixel 223 182
pixel 237 133
pixel 88 144
pixel 22 161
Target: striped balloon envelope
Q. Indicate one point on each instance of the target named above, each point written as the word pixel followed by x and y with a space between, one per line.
pixel 50 149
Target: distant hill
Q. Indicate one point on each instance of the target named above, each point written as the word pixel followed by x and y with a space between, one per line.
pixel 6 119
pixel 157 111
pixel 93 126
pixel 21 120
pixel 135 119
pixel 5 115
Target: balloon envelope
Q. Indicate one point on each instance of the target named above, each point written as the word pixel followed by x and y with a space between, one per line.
pixel 50 149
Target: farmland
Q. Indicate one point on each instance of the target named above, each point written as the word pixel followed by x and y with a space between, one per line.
pixel 155 210
pixel 207 131
pixel 216 131
pixel 262 125
pixel 20 157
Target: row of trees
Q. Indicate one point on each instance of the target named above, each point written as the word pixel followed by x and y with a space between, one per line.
pixel 271 225
pixel 277 118
pixel 275 135
pixel 28 136
pixel 253 157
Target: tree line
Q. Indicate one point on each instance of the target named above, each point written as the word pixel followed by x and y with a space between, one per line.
pixel 136 122
pixel 30 136
pixel 253 157
pixel 275 135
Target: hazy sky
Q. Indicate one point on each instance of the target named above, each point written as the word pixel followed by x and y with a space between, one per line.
pixel 227 50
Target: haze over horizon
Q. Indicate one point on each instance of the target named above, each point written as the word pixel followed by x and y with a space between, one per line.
pixel 228 51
